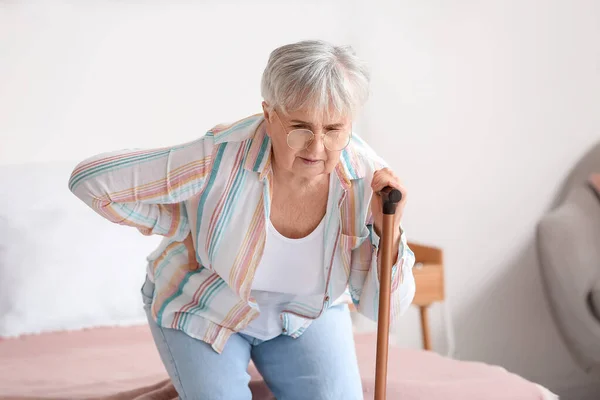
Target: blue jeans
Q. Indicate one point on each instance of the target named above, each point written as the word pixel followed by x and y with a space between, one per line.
pixel 321 364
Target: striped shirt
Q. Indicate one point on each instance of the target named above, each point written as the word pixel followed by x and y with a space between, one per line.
pixel 219 187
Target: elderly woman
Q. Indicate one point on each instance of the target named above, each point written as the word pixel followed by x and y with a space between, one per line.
pixel 271 229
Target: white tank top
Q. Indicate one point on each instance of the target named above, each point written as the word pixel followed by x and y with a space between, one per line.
pixel 289 267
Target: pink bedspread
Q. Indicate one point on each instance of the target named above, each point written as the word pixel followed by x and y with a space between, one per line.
pixel 103 362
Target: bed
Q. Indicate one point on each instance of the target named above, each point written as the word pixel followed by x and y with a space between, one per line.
pixel 122 363
pixel 72 324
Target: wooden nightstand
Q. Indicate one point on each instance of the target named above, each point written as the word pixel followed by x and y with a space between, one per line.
pixel 429 279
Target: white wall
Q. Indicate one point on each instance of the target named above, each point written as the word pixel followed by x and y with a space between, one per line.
pixel 481 107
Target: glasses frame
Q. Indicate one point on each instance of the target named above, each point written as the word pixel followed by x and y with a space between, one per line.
pixel 312 139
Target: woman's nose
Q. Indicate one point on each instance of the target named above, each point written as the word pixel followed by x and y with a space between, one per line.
pixel 318 144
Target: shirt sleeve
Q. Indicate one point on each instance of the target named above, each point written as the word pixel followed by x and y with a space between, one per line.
pixel 145 189
pixel 403 282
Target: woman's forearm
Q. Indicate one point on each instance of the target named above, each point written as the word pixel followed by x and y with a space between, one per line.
pixel 144 188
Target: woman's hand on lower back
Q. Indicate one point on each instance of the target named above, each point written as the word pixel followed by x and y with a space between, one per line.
pixel 191 251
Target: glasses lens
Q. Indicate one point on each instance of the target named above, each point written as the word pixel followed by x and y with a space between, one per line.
pixel 336 140
pixel 299 138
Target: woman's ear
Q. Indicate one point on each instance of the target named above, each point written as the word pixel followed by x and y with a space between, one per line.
pixel 266 111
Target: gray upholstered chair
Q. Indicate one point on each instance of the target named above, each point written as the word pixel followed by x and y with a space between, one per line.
pixel 568 242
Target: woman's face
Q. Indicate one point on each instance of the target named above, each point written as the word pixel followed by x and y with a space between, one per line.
pixel 312 161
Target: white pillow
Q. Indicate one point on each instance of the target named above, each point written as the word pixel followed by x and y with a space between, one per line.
pixel 62 266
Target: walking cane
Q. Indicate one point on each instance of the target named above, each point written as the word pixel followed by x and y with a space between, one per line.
pixel 390 198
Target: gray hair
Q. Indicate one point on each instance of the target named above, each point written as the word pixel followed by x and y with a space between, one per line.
pixel 315 75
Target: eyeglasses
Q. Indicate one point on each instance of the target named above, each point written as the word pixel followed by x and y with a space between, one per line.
pixel 300 139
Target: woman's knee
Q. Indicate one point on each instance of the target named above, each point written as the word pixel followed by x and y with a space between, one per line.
pixel 325 387
pixel 197 371
pixel 202 389
pixel 206 375
pixel 213 383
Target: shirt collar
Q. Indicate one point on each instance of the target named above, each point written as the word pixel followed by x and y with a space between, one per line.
pixel 350 166
pixel 259 155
